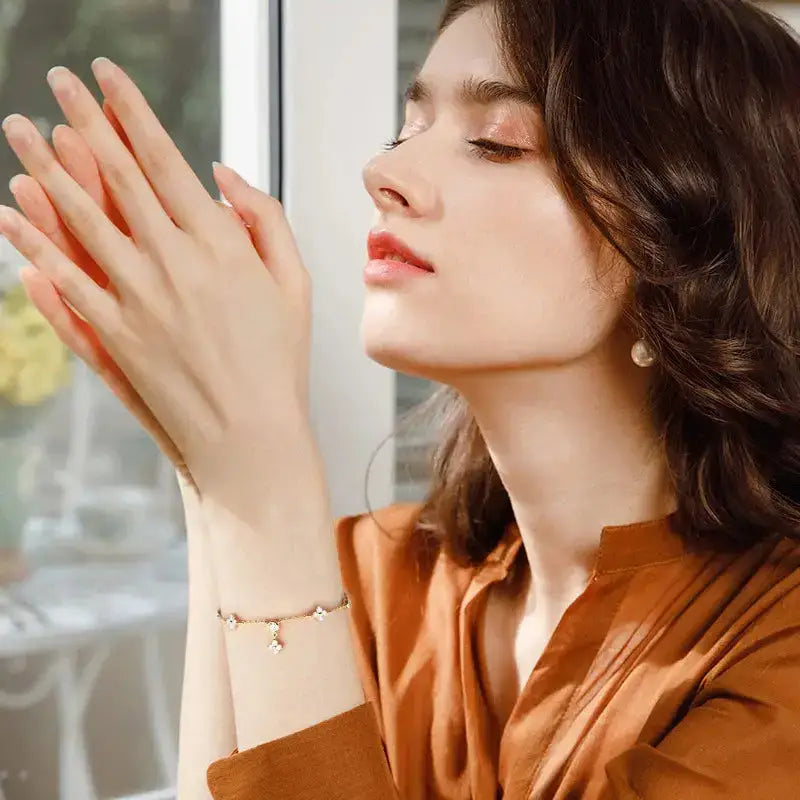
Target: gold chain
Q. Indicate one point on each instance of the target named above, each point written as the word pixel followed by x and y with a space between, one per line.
pixel 233 621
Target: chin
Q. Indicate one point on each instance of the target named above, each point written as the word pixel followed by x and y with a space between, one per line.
pixel 416 361
pixel 393 357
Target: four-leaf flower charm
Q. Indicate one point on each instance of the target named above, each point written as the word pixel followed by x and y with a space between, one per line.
pixel 274 645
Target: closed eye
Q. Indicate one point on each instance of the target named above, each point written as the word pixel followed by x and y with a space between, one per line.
pixel 483 148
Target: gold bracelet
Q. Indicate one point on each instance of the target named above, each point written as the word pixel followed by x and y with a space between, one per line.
pixel 233 621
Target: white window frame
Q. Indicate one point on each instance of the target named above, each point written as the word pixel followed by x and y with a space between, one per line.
pixel 337 65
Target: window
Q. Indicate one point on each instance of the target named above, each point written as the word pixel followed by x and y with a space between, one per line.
pixel 91 640
pixel 89 685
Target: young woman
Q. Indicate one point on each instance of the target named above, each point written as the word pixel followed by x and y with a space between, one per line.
pixel 599 598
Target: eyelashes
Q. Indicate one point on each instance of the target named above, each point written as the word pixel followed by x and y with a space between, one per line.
pixel 482 148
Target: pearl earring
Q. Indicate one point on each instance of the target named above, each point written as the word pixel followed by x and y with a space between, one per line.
pixel 641 353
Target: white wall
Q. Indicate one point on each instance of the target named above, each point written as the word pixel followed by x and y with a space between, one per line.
pixel 339 104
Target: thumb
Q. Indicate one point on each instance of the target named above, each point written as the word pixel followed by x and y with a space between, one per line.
pixel 269 229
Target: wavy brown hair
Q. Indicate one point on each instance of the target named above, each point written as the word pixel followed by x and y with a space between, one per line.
pixel 674 127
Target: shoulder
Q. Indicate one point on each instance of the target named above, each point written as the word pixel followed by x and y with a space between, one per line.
pixel 393 569
pixel 738 737
pixel 384 544
pixel 766 630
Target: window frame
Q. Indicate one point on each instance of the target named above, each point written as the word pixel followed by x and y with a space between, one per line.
pixel 320 133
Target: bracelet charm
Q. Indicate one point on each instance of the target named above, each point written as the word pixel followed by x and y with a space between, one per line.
pixel 276 646
pixel 233 621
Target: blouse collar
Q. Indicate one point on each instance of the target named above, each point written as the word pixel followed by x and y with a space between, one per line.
pixel 622 547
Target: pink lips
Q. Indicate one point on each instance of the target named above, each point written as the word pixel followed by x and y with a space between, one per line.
pixel 381 270
pixel 382 245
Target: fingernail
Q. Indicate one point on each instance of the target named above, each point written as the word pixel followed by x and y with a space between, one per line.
pixel 16 127
pixel 13 184
pixel 8 219
pixel 61 82
pixel 230 169
pixel 103 68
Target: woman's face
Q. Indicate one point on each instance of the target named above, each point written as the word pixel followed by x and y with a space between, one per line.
pixel 518 276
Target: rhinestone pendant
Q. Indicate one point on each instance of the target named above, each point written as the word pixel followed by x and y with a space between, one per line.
pixel 274 645
pixel 232 622
pixel 320 613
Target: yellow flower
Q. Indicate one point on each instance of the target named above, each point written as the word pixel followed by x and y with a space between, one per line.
pixel 34 363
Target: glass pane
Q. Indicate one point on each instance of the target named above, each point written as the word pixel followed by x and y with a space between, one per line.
pixel 417 23
pixel 92 540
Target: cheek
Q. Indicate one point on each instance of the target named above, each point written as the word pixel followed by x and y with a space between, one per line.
pixel 521 227
pixel 524 271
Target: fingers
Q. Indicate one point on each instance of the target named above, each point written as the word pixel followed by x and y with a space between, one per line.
pixel 71 329
pixel 36 206
pixel 80 164
pixel 182 194
pixel 128 187
pixel 89 224
pixel 79 161
pixel 92 303
pixel 115 124
pixel 269 228
pixel 79 337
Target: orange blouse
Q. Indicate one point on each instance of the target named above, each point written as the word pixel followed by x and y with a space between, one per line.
pixel 671 676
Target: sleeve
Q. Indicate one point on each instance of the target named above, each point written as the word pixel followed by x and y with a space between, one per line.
pixel 341 757
pixel 740 739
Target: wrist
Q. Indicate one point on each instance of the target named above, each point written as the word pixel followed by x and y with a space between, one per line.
pixel 253 463
pixel 274 548
pixel 268 579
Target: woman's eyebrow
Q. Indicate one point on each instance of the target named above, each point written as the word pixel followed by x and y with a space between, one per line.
pixel 472 91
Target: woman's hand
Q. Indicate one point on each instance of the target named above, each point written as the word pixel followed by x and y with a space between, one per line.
pixel 215 345
pixel 75 332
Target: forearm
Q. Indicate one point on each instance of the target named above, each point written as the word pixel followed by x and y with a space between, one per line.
pixel 207 730
pixel 275 556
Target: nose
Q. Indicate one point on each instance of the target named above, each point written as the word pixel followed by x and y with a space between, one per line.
pixel 397 187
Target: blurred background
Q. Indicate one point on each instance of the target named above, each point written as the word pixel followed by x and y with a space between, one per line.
pixel 92 534
pixel 297 96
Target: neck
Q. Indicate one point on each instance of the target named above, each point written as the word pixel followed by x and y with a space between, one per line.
pixel 576 450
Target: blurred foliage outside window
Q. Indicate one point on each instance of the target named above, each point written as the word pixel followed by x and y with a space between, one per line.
pixel 169 47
